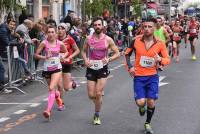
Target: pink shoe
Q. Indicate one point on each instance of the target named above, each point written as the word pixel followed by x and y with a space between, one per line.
pixel 74 85
pixel 61 107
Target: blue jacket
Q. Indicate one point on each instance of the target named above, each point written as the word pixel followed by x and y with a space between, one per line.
pixel 5 39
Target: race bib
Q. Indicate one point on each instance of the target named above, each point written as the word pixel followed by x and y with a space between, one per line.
pixel 176 37
pixel 147 61
pixel 52 64
pixel 176 34
pixel 193 31
pixel 96 64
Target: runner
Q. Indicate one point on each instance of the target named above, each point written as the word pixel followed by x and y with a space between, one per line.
pixel 193 36
pixel 149 51
pixel 73 50
pixel 160 31
pixel 52 66
pixel 95 55
pixel 177 29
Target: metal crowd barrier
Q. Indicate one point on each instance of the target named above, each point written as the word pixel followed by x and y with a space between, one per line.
pixel 17 61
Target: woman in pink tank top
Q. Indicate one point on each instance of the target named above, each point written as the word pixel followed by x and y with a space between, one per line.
pixel 52 67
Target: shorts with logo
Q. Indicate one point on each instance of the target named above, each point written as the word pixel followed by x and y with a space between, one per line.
pixel 94 75
pixel 66 68
pixel 47 74
pixel 146 87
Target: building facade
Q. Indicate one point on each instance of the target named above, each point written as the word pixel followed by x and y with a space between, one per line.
pixel 45 8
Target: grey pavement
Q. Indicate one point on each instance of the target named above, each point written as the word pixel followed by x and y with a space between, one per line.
pixel 177 109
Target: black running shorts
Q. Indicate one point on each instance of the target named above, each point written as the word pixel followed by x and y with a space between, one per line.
pixel 94 75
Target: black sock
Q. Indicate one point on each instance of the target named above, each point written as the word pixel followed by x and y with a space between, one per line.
pixel 96 114
pixel 150 112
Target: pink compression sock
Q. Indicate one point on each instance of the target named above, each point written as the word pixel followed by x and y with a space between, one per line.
pixel 51 99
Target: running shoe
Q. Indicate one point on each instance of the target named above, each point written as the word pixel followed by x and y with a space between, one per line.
pixel 148 128
pixel 194 57
pixel 74 85
pixel 96 120
pixel 61 107
pixel 142 111
pixel 47 114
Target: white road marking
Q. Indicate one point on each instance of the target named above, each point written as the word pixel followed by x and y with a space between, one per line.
pixel 4 119
pixel 160 81
pixel 20 111
pixel 83 82
pixel 17 103
pixel 45 99
pixel 110 76
pixel 35 105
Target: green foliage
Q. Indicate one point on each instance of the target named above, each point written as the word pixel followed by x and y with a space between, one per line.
pixel 137 7
pixel 6 5
pixel 96 7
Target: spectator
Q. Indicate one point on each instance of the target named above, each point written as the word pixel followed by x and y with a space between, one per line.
pixel 69 17
pixel 25 27
pixel 51 21
pixel 22 17
pixel 6 37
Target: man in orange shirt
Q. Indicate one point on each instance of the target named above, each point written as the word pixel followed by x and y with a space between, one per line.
pixel 149 52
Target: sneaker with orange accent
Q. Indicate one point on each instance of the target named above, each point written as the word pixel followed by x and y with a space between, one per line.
pixel 61 107
pixel 47 114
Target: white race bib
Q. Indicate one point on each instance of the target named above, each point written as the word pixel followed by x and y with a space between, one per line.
pixel 96 64
pixel 176 34
pixel 52 64
pixel 193 31
pixel 147 61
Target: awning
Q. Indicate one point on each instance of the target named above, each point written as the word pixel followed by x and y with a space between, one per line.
pixel 152 5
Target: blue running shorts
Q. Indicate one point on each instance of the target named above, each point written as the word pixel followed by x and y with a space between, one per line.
pixel 146 87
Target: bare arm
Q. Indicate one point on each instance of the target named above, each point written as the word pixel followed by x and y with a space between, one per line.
pixel 84 53
pixel 114 48
pixel 63 49
pixel 166 35
pixel 39 50
pixel 76 51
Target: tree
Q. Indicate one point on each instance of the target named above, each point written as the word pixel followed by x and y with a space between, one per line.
pixel 96 7
pixel 6 5
pixel 137 7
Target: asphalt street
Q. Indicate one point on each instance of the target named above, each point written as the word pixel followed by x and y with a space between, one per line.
pixel 177 109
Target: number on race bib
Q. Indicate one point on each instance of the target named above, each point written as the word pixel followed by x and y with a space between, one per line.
pixel 147 61
pixel 96 64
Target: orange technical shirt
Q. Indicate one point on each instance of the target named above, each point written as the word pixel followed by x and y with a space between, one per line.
pixel 144 59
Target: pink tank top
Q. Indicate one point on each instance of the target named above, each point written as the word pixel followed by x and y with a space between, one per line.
pixel 53 62
pixel 53 50
pixel 97 48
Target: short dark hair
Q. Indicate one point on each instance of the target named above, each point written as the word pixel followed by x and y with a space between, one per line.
pixel 10 20
pixel 150 19
pixel 51 26
pixel 96 19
